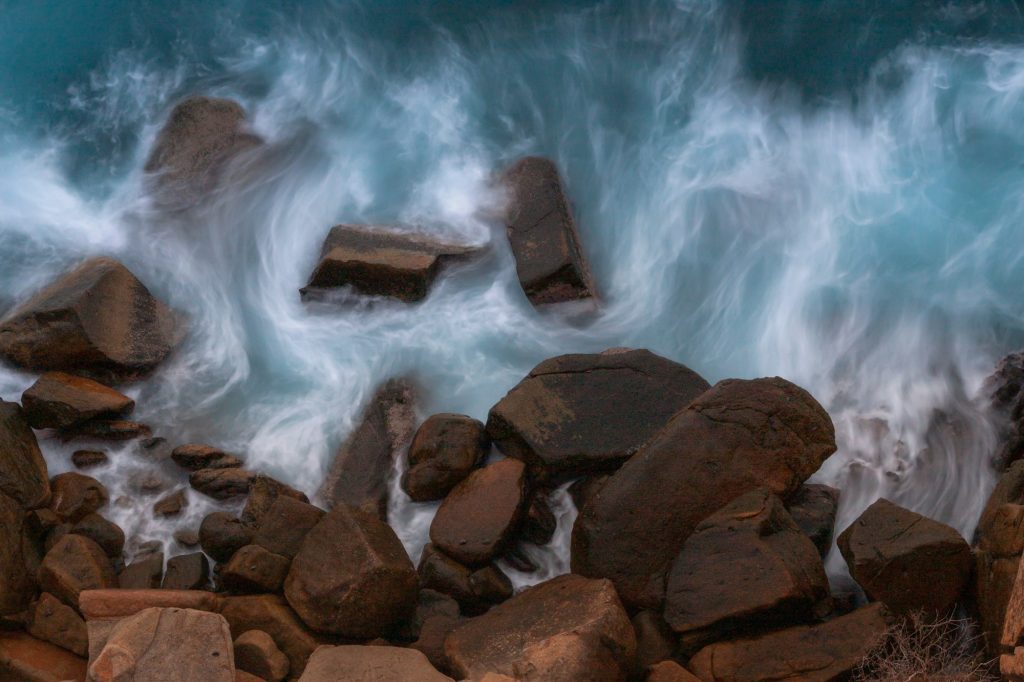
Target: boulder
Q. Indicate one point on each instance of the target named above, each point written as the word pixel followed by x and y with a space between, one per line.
pixel 811 653
pixel 25 658
pixel 382 262
pixel 271 614
pixel 748 564
pixel 58 400
pixel 550 262
pixel 351 576
pixel 256 653
pixel 87 459
pixel 17 557
pixel 1000 542
pixel 146 572
pixel 655 641
pixel 670 671
pixel 539 524
pixel 186 537
pixel 221 484
pixel 429 604
pixel 107 430
pixel 475 590
pixel 98 320
pixel 569 628
pixel 369 664
pixel 263 491
pixel 285 525
pixel 1005 391
pixel 23 473
pixel 112 604
pixel 480 516
pixel 254 569
pixel 221 534
pixel 171 505
pixel 358 476
pixel 445 449
pixel 106 534
pixel 195 645
pixel 905 560
pixel 74 564
pixel 187 572
pixel 192 150
pixel 433 634
pixel 737 437
pixel 584 488
pixel 194 457
pixel 585 413
pixel 75 496
pixel 55 622
pixel 813 508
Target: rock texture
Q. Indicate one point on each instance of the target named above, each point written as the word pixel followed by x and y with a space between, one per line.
pixel 369 664
pixel 222 534
pixel 826 652
pixel 271 614
pixel 813 508
pixel 351 576
pixel 445 449
pixel 98 320
pixel 75 496
pixel 382 262
pixel 18 557
pixel 58 400
pixel 221 484
pixel 477 520
pixel 253 569
pixel 1000 542
pixel 474 589
pixel 55 622
pixel 187 572
pixel 550 262
pixel 195 456
pixel 25 658
pixel 256 653
pixel 358 476
pixel 23 473
pixel 737 437
pixel 285 525
pixel 566 629
pixel 579 414
pixel 905 560
pixel 74 564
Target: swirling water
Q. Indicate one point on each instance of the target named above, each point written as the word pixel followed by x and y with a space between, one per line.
pixel 827 193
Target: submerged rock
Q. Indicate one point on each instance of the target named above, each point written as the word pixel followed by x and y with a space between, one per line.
pixel 737 437
pixel 382 262
pixel 550 262
pixel 98 320
pixel 585 413
pixel 445 449
pixel 58 400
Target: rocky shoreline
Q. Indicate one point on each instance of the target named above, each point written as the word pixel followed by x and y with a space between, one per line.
pixel 697 552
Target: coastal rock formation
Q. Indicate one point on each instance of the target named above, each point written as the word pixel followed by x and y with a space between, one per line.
pixel 332 663
pixel 23 473
pixel 256 653
pixel 74 564
pixel 75 496
pixel 475 589
pixel 444 450
pixel 58 400
pixel 53 621
pixel 23 657
pixel 221 534
pixel 285 525
pixel 998 553
pixel 813 508
pixel 98 320
pixel 195 456
pixel 271 614
pixel 585 413
pixel 254 569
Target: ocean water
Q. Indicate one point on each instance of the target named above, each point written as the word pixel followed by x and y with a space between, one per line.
pixel 832 192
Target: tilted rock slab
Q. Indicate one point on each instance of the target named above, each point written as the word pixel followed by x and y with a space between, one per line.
pixel 58 400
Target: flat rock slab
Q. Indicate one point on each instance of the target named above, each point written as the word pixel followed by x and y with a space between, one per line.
pixel 818 653
pixel 98 320
pixel 906 561
pixel 58 400
pixel 382 262
pixel 737 437
pixel 23 657
pixel 369 664
pixel 563 630
pixel 23 473
pixel 585 413
pixel 550 262
pixel 117 603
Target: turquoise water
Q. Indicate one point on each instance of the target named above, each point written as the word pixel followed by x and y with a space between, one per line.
pixel 824 192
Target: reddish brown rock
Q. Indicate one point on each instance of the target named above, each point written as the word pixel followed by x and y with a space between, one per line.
pixel 97 320
pixel 748 564
pixel 1000 542
pixel 187 572
pixel 737 437
pixel 263 491
pixel 194 457
pixel 25 658
pixel 75 496
pixel 221 484
pixel 478 519
pixel 256 653
pixel 382 262
pixel 669 671
pixel 171 505
pixel 474 589
pixel 55 622
pixel 271 614
pixel 445 449
pixel 87 459
pixel 905 560
pixel 655 641
pixel 18 557
pixel 550 262
pixel 106 534
pixel 584 488
pixel 146 572
pixel 579 414
pixel 23 473
pixel 369 663
pixel 58 400
pixel 285 525
pixel 813 508
pixel 569 628
pixel 358 476
pixel 113 604
pixel 433 634
pixel 540 523
pixel 221 535
pixel 351 577
pixel 74 564
pixel 106 429
pixel 825 652
pixel 255 570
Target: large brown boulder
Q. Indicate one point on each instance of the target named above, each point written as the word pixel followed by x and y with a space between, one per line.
pixel 221 484
pixel 221 534
pixel 271 614
pixel 17 558
pixel 74 496
pixel 737 437
pixel 53 621
pixel 254 569
pixel 256 653
pixel 263 491
pixel 106 534
pixel 187 572
pixel 98 320
pixel 477 520
pixel 550 262
pixel 285 525
pixel 193 148
pixel 475 589
pixel 825 652
pixel 196 456
pixel 566 629
pixel 74 564
pixel 358 475
pixel 578 414
pixel 748 564
pixel 23 472
pixel 369 664
pixel 195 645
pixel 382 262
pixel 24 658
pixel 445 449
pixel 1000 542
pixel 905 560
pixel 58 400
pixel 351 576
